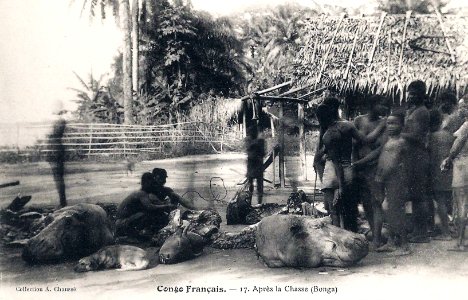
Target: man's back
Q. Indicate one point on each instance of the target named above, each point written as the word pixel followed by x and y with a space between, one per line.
pixel 130 205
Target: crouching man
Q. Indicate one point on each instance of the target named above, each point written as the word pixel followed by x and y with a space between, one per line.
pixel 142 209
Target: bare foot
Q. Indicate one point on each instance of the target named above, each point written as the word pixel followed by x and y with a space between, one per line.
pixel 373 247
pixel 386 248
pixel 419 239
pixel 458 248
pixel 402 251
pixel 443 237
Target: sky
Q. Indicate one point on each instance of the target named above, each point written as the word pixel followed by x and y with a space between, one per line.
pixel 45 41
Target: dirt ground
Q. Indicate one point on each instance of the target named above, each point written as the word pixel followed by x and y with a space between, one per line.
pixel 429 273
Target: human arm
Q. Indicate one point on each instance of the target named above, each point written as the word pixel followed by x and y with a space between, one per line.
pixel 369 138
pixel 457 146
pixel 371 157
pixel 148 205
pixel 187 203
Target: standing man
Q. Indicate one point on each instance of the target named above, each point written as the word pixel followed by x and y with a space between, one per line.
pixel 416 133
pixel 255 146
pixel 365 174
pixel 57 157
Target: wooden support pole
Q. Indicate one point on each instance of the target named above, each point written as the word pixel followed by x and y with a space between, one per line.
pixel 278 98
pixel 376 38
pixel 439 16
pixel 273 88
pixel 244 120
pixel 274 166
pixel 325 57
pixel 389 59
pixel 352 52
pixel 90 139
pixel 292 91
pixel 313 92
pixel 281 149
pixel 403 40
pixel 302 141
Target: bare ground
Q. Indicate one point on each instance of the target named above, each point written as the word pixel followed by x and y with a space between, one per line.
pixel 430 272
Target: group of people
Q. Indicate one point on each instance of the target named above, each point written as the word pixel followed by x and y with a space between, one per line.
pixel 397 155
pixel 147 210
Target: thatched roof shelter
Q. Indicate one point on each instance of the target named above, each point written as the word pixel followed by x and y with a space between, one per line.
pixel 383 54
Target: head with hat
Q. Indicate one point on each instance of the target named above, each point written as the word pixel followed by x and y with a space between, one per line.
pixel 159 176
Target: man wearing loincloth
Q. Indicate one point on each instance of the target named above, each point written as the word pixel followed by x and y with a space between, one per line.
pixel 338 175
pixel 416 132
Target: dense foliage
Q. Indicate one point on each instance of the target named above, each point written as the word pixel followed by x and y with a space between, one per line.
pixel 186 56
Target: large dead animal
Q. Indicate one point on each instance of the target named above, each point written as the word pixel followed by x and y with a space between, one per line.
pixel 72 232
pixel 301 241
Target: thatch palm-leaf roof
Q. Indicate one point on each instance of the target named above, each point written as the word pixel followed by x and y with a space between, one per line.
pixel 383 54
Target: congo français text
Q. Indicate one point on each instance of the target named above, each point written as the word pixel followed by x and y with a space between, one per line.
pixel 190 289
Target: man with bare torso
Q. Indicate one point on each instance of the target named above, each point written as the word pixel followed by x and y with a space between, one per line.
pixel 365 173
pixel 416 133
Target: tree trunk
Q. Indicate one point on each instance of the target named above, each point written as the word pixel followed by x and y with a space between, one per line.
pixel 135 45
pixel 302 141
pixel 124 12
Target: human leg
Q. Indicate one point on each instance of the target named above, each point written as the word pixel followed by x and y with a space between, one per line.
pixel 250 184
pixel 260 189
pixel 328 196
pixel 395 216
pixel 349 205
pixel 442 197
pixel 364 194
pixel 58 170
pixel 460 198
pixel 419 194
pixel 379 196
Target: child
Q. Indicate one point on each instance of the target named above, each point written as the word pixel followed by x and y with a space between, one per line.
pixel 440 142
pixel 391 174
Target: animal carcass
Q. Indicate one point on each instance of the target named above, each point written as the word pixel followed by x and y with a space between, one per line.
pixel 73 232
pixel 301 241
pixel 120 257
pixel 180 246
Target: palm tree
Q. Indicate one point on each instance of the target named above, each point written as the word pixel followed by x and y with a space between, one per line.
pixel 121 10
pixel 273 40
pixel 95 101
